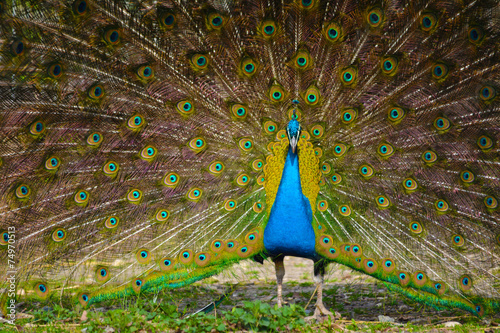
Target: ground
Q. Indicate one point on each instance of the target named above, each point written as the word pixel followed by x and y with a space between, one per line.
pixel 365 305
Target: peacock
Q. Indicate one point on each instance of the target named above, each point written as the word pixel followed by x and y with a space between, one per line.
pixel 146 145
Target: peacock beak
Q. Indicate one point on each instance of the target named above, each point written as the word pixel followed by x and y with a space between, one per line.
pixel 293 143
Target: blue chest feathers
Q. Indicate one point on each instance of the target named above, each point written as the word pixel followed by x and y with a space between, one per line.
pixel 289 230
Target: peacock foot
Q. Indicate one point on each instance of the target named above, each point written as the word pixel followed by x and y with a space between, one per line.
pixel 321 314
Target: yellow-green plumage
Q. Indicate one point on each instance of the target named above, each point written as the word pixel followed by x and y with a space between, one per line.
pixel 143 144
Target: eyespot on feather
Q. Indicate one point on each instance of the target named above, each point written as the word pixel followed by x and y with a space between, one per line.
pixel 419 278
pixel 268 29
pixel 441 206
pixel 404 278
pixel 148 153
pixel 145 72
pixel 440 287
pixel 185 107
pixel 429 157
pixel 467 176
pixel 96 92
pixel 171 179
pixel 475 35
pixel 382 201
pixel 348 76
pixel 416 227
pixel 484 142
pixel 112 36
pixel 197 144
pixel 239 111
pixel 23 191
pixel 356 250
pixel 194 194
pixel 245 144
pixel 81 197
pixel 111 222
pixel 248 67
pixel 110 168
pixel 276 93
pixel 162 215
pixel 37 128
pixel 369 265
pixel 18 48
pixel 344 210
pixel 325 241
pixel 215 21
pixel 244 251
pixel 366 171
pixel 253 237
pixel 102 274
pixel 396 114
pixel 306 4
pixel 243 180
pixel 134 196
pixel 491 202
pixel 336 179
pixel 457 240
pixel 83 299
pixel 135 122
pixel 217 245
pixel 375 17
pixel 349 115
pixel 487 93
pixel 200 61
pixel 55 71
pixel 216 168
pixel 167 20
pixel 325 168
pixel 5 237
pixel 258 207
pixel 388 265
pixel 439 71
pixel 137 285
pixel 322 205
pixel 428 22
pixel 143 256
pixel 202 259
pixel 385 149
pixel 95 139
pixel 230 205
pixel 41 290
pixel 258 164
pixel 270 127
pixel 186 256
pixel 465 282
pixel 231 245
pixel 312 96
pixel 333 32
pixel 389 65
pixel 317 131
pixel 80 7
pixel 166 264
pixel 410 184
pixel 302 60
pixel 59 235
pixel 52 163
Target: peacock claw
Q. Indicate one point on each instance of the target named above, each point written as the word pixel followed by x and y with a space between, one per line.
pixel 321 314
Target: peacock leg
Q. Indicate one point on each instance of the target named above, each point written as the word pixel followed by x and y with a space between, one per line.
pixel 280 273
pixel 320 313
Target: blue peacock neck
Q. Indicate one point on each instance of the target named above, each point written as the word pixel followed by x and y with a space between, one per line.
pixel 289 230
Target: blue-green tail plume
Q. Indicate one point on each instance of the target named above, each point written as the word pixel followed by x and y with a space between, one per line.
pixel 149 144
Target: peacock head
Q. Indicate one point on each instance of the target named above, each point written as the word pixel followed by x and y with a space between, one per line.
pixel 293 131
